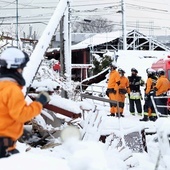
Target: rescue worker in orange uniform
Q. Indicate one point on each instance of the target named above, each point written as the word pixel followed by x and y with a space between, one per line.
pixel 123 89
pixel 112 88
pixel 14 111
pixel 161 88
pixel 149 111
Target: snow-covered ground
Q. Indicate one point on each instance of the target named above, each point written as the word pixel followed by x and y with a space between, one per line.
pixel 89 153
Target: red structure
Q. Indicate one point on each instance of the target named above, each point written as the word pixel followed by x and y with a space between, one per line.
pixel 57 67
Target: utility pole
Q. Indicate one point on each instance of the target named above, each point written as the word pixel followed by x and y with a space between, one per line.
pixel 69 68
pixel 123 24
pixel 65 47
pixel 17 39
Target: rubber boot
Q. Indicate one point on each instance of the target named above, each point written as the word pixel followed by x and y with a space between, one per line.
pixel 153 118
pixel 117 115
pixel 112 114
pixel 121 114
pixel 133 113
pixel 145 118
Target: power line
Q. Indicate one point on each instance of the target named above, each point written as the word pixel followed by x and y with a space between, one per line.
pixel 145 7
pixel 135 7
pixel 95 9
pixel 129 24
pixel 21 23
pixel 150 18
pixel 24 4
pixel 103 13
pixel 9 3
pixel 95 1
pixel 28 8
pixel 98 4
pixel 158 3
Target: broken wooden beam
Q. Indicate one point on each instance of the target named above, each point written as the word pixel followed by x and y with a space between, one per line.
pixel 62 111
pixel 59 110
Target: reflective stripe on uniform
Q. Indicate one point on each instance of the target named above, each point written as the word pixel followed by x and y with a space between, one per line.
pixel 135 95
pixel 153 114
pixel 133 113
pixel 145 113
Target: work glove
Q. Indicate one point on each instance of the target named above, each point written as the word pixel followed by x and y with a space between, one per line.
pixel 146 97
pixel 152 93
pixel 107 93
pixel 113 91
pixel 142 83
pixel 118 83
pixel 43 98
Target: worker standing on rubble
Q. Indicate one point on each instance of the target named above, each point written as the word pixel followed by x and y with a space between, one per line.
pixel 14 111
pixel 112 88
pixel 135 96
pixel 161 88
pixel 149 111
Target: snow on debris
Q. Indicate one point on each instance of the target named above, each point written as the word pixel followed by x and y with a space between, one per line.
pixel 97 40
pixel 65 103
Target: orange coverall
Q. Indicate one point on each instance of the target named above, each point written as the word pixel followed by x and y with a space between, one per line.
pixel 124 84
pixel 114 79
pixel 148 108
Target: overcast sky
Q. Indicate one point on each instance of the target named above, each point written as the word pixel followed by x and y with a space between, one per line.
pixel 151 17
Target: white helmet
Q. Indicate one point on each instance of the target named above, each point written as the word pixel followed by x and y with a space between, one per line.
pixel 113 65
pixel 13 58
pixel 150 71
pixel 160 71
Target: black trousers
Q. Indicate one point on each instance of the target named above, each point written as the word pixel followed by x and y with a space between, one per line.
pixel 3 152
pixel 5 143
pixel 133 103
pixel 148 104
pixel 162 102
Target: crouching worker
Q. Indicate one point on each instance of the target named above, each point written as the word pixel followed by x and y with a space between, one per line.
pixel 14 111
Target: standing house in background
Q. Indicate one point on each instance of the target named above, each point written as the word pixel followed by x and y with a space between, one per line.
pixel 83 52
